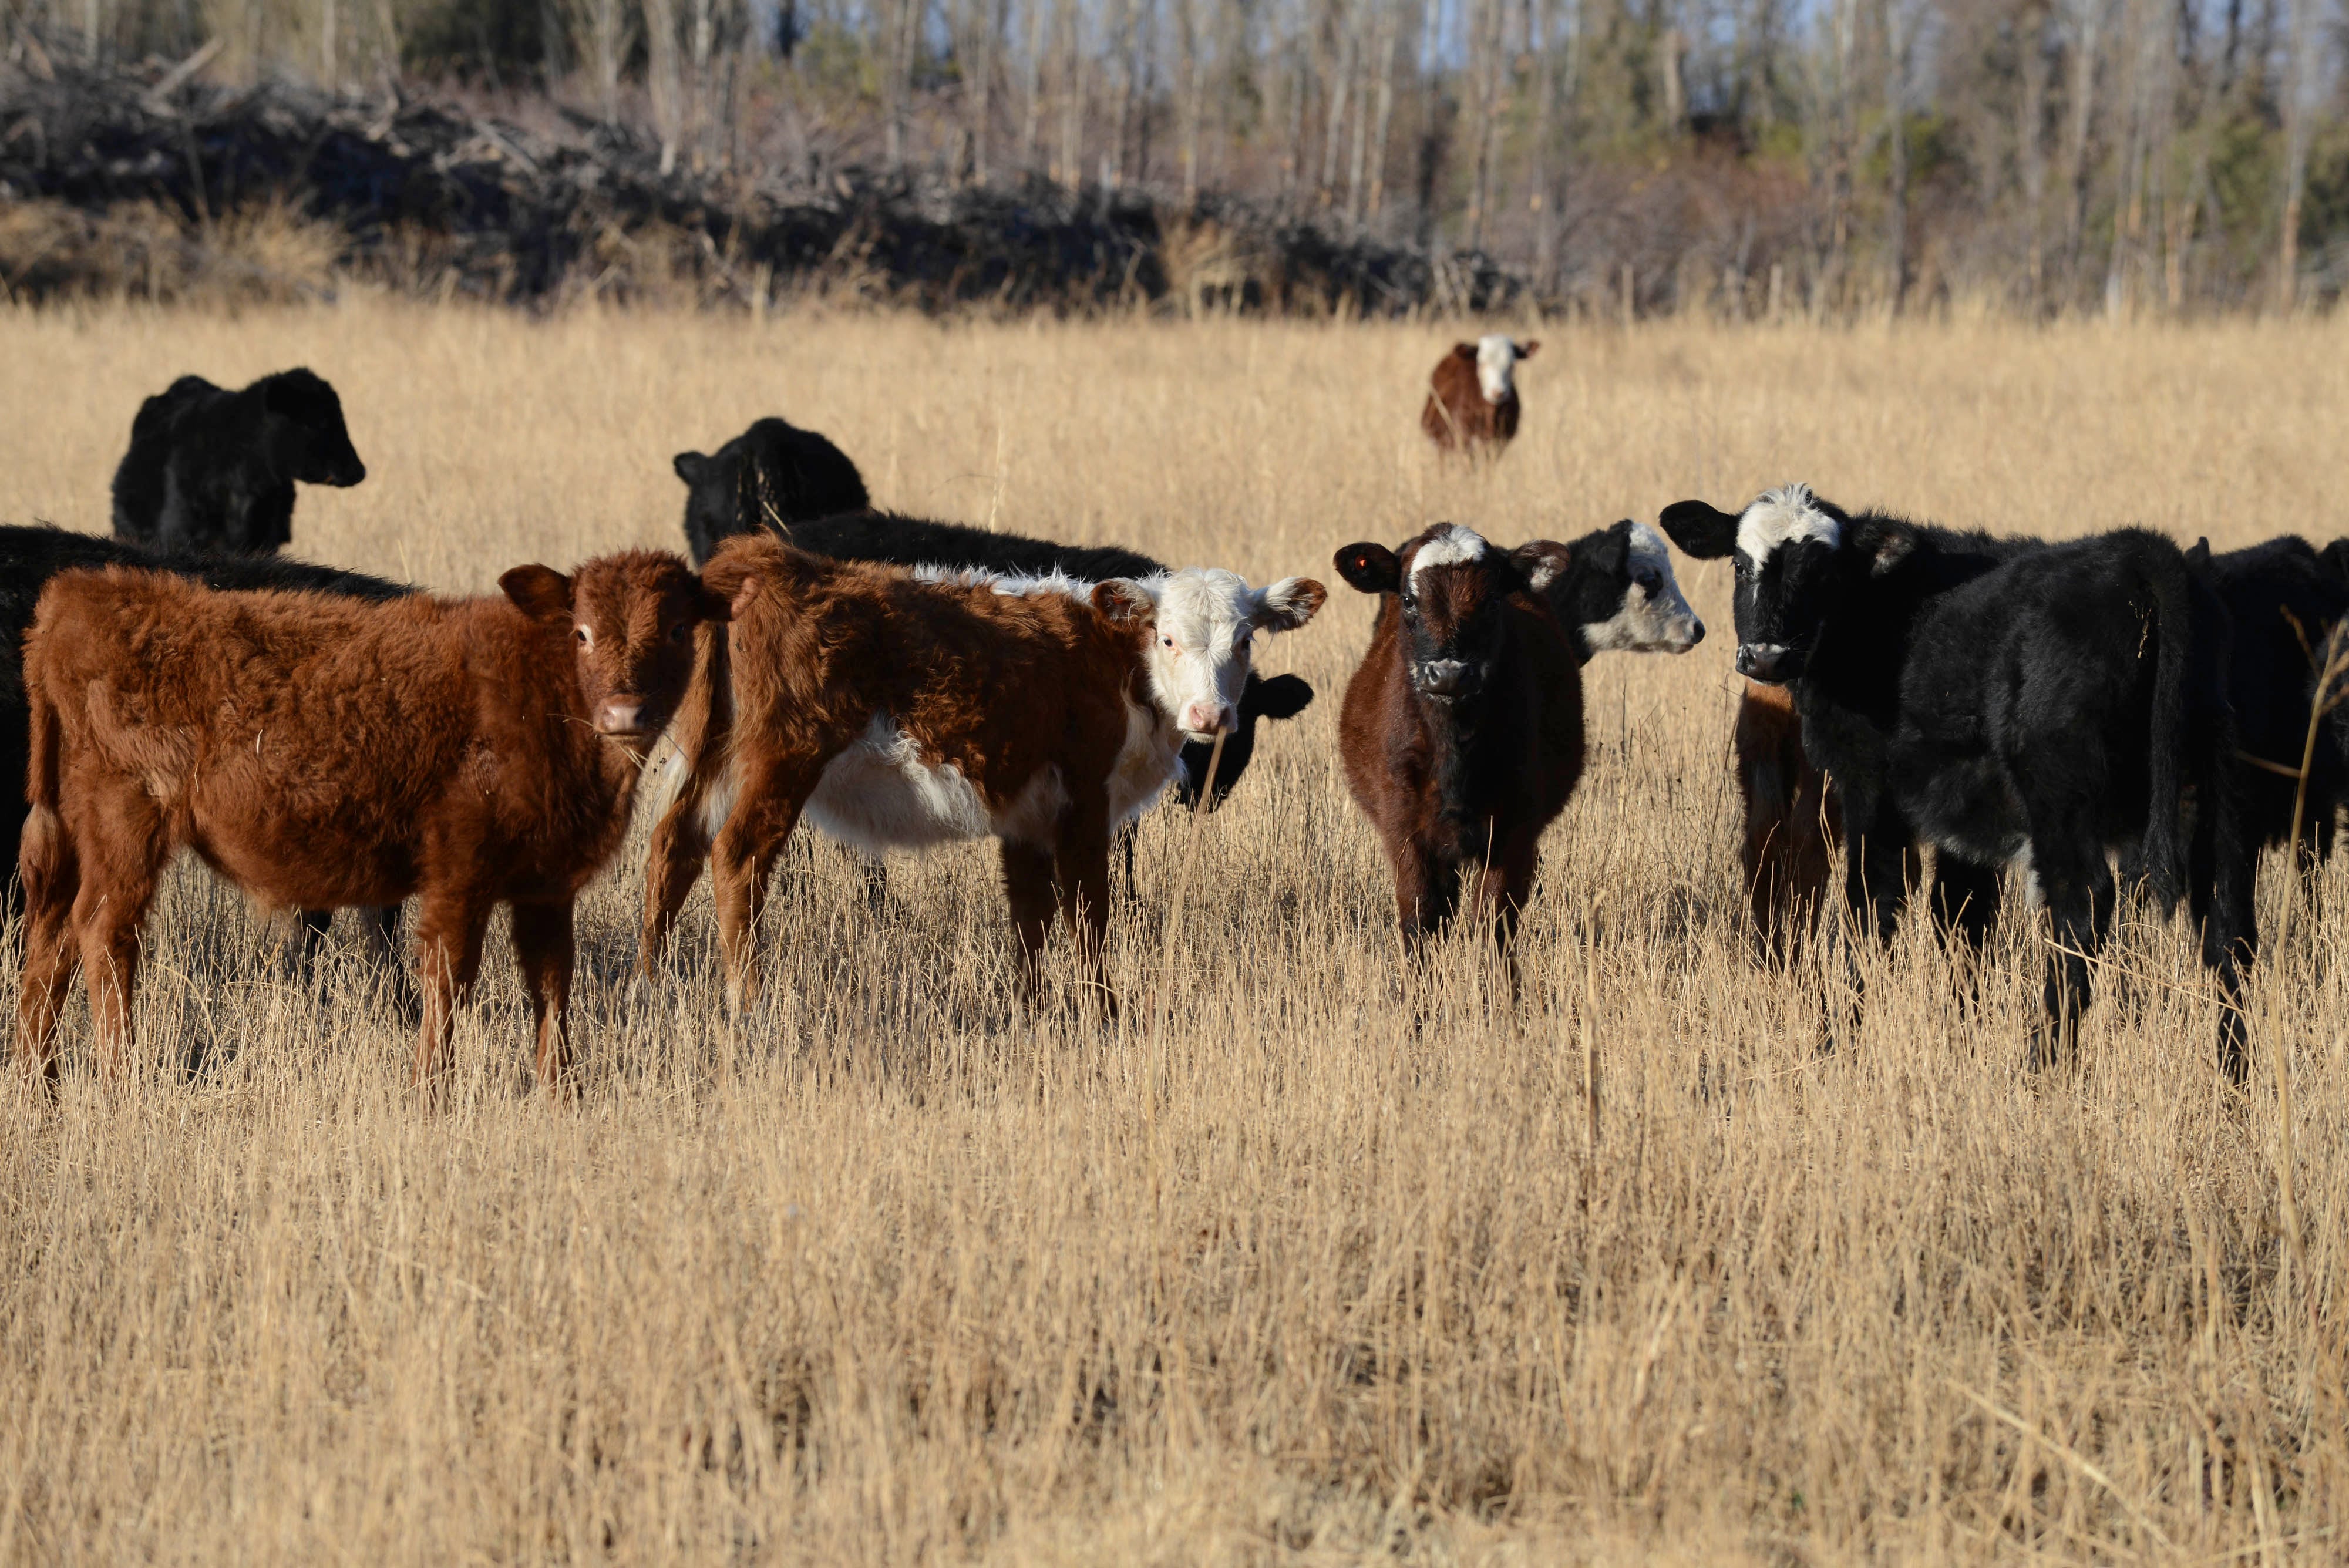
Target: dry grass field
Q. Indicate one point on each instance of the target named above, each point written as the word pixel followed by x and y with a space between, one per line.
pixel 896 1270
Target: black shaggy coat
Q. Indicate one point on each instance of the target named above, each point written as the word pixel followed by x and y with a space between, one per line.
pixel 901 541
pixel 214 470
pixel 774 472
pixel 2004 699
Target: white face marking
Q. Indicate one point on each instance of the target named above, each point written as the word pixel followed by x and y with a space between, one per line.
pixel 1496 363
pixel 1784 516
pixel 1656 620
pixel 1202 646
pixel 1452 545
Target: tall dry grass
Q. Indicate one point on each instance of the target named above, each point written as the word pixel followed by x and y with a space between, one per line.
pixel 895 1270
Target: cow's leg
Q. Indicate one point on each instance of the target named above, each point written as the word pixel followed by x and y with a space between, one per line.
pixel 672 865
pixel 49 873
pixel 1504 888
pixel 1877 877
pixel 1028 888
pixel 107 914
pixel 451 923
pixel 2228 914
pixel 875 872
pixel 742 864
pixel 2077 885
pixel 545 949
pixel 380 932
pixel 1427 890
pixel 1964 901
pixel 1080 874
pixel 314 925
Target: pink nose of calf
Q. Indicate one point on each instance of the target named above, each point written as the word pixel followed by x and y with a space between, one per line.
pixel 1207 718
pixel 620 716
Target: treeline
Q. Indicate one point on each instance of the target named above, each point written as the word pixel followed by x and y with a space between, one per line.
pixel 1837 158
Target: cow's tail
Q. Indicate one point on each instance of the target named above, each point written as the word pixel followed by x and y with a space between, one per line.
pixel 2172 729
pixel 44 863
pixel 691 763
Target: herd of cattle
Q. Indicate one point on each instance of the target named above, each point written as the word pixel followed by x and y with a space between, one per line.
pixel 325 739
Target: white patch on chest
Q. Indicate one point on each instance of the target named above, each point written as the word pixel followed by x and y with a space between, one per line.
pixel 1784 516
pixel 881 794
pixel 1146 764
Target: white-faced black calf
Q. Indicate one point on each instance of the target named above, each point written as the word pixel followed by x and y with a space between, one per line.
pixel 1461 731
pixel 2006 701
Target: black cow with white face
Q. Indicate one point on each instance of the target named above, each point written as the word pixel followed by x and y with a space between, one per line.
pixel 2007 701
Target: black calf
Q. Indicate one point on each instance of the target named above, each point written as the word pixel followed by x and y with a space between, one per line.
pixel 771 473
pixel 210 469
pixel 2006 700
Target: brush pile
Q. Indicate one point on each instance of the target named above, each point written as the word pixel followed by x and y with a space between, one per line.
pixel 152 183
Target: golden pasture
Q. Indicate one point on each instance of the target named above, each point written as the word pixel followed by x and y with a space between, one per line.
pixel 894 1269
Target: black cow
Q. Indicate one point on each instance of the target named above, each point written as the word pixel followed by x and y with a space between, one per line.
pixel 2004 700
pixel 210 469
pixel 29 557
pixel 915 542
pixel 2284 598
pixel 773 473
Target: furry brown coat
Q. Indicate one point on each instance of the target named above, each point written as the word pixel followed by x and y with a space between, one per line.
pixel 319 751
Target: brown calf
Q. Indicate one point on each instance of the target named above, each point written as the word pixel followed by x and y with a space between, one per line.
pixel 1794 824
pixel 1472 399
pixel 899 713
pixel 1461 731
pixel 319 751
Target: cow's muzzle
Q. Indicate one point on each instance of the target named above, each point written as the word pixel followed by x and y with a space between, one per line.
pixel 621 718
pixel 1448 680
pixel 1767 661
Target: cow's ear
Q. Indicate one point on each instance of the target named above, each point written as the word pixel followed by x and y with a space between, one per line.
pixel 1370 569
pixel 1464 351
pixel 540 592
pixel 1282 697
pixel 1526 349
pixel 710 605
pixel 2199 557
pixel 732 579
pixel 1541 562
pixel 1289 604
pixel 690 466
pixel 1705 532
pixel 1886 545
pixel 1122 599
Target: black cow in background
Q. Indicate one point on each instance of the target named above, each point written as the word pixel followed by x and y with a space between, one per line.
pixel 213 470
pixel 29 557
pixel 915 541
pixel 2284 598
pixel 771 473
pixel 2006 701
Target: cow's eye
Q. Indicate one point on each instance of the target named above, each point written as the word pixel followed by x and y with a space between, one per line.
pixel 680 632
pixel 1645 576
pixel 584 640
pixel 1164 641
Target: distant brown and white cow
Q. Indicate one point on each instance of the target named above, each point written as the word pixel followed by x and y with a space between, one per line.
pixel 1461 731
pixel 1472 399
pixel 899 713
pixel 320 752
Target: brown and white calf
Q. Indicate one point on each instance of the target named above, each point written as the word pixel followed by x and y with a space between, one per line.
pixel 898 713
pixel 1461 731
pixel 1472 397
pixel 319 751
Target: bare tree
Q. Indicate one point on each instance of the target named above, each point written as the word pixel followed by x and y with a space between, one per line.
pixel 2298 83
